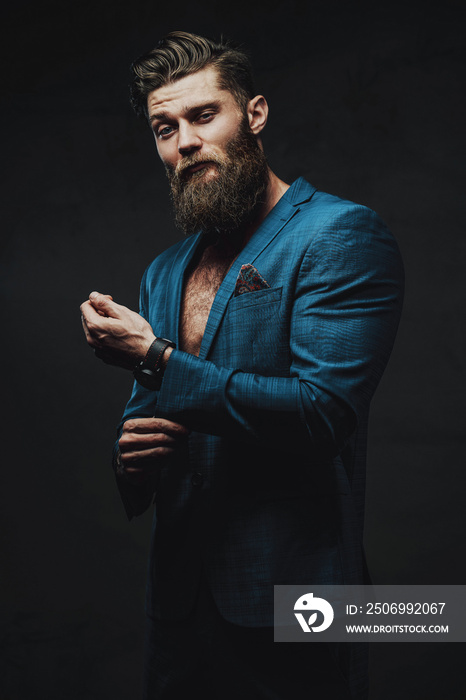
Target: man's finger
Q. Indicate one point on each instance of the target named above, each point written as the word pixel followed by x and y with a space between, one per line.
pixel 110 298
pixel 94 320
pixel 85 328
pixel 155 425
pixel 136 442
pixel 104 304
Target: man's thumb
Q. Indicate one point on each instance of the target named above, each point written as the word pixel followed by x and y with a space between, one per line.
pixel 100 302
pixel 99 299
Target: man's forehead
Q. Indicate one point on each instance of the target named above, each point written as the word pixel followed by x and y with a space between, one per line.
pixel 197 87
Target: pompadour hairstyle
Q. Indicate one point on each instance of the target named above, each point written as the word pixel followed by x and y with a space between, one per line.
pixel 179 54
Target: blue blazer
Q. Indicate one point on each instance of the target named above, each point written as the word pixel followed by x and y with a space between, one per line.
pixel 270 489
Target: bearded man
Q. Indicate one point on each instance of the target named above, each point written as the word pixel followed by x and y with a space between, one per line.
pixel 260 341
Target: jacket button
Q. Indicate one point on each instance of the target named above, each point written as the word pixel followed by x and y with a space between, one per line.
pixel 197 479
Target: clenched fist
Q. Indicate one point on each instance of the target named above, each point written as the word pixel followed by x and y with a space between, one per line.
pixel 118 335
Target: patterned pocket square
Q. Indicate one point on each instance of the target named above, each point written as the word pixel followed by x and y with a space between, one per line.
pixel 249 280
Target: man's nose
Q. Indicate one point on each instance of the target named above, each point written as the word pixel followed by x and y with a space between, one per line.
pixel 188 139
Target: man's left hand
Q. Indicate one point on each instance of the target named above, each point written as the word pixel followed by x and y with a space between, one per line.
pixel 118 335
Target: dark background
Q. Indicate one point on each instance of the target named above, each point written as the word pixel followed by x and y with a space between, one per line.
pixel 368 102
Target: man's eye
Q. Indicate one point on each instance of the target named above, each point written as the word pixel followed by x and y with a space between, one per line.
pixel 205 116
pixel 166 131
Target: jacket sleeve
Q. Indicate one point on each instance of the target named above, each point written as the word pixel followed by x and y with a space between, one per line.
pixel 343 321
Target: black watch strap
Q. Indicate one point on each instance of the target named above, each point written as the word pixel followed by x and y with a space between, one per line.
pixel 149 372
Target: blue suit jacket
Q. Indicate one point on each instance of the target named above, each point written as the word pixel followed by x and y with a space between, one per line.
pixel 270 489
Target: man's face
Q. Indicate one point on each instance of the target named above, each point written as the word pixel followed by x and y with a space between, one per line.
pixel 193 116
pixel 217 170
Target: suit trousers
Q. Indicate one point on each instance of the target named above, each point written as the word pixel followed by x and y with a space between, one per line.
pixel 206 655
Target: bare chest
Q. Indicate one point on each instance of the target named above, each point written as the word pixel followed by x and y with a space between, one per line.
pixel 201 286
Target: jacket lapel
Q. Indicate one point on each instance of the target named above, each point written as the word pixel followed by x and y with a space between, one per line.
pixel 299 192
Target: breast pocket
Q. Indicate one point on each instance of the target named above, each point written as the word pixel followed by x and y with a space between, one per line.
pixel 255 331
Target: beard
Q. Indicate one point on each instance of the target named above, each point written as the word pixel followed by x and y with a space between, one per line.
pixel 229 199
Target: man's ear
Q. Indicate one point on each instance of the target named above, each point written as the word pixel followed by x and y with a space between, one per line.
pixel 257 113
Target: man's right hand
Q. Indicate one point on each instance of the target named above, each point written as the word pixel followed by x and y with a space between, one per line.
pixel 147 444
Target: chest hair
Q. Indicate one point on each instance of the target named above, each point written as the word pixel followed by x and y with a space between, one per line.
pixel 202 283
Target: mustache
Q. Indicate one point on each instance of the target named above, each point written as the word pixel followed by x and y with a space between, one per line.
pixel 181 168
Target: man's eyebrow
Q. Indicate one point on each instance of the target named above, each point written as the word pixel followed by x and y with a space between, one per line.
pixel 158 117
pixel 201 107
pixel 164 116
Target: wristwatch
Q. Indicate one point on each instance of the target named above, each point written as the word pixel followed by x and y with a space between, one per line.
pixel 149 372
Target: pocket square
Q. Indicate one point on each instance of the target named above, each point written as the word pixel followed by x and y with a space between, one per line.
pixel 249 280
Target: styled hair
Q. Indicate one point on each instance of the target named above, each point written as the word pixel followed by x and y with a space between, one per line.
pixel 179 54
